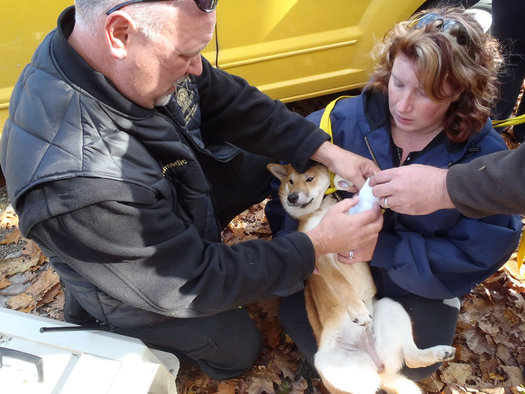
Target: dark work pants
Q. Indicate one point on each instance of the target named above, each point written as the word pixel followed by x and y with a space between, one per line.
pixel 226 344
pixel 434 323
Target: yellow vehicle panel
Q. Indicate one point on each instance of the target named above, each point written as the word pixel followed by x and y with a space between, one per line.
pixel 290 49
pixel 295 49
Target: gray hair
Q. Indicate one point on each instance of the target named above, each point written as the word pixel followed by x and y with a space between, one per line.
pixel 148 16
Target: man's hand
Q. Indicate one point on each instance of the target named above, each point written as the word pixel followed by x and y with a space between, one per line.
pixel 346 164
pixel 415 189
pixel 340 232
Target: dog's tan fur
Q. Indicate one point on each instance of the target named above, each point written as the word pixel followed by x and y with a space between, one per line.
pixel 362 342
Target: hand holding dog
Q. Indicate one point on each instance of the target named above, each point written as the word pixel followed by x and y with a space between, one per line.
pixel 339 232
pixel 355 168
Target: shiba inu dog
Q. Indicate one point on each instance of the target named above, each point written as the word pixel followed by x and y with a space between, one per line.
pixel 362 342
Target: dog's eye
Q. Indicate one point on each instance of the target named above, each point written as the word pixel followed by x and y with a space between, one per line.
pixel 290 181
pixel 310 179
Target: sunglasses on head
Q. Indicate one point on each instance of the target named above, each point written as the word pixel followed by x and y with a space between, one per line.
pixel 450 26
pixel 204 5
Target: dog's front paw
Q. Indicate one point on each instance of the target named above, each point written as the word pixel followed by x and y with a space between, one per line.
pixel 361 318
pixel 444 353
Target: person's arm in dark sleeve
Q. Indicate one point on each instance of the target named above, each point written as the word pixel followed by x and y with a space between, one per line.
pixel 238 113
pixel 140 252
pixel 490 184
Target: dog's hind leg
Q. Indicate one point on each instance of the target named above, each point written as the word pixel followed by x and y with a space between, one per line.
pixel 397 383
pixel 344 367
pixel 344 291
pixel 395 342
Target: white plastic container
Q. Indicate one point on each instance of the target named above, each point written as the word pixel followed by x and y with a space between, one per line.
pixel 78 361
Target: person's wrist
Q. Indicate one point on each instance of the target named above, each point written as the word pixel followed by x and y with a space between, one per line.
pixel 446 201
pixel 318 242
pixel 322 154
pixel 330 154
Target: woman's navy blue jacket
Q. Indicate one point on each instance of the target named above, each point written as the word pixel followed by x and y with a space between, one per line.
pixel 441 255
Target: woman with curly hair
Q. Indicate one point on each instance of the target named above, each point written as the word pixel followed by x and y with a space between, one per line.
pixel 427 102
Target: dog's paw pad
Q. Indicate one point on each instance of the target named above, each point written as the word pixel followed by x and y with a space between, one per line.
pixel 445 353
pixel 362 320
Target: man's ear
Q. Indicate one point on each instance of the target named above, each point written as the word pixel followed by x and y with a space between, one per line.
pixel 118 29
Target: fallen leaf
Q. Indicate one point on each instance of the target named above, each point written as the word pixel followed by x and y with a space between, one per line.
pixel 34 293
pixel 11 238
pixel 4 282
pixel 457 373
pixel 22 263
pixel 432 384
pixel 286 366
pixel 476 341
pixel 299 386
pixel 24 302
pixel 515 375
pixel 262 380
pixel 49 295
pixel 227 387
pixel 8 218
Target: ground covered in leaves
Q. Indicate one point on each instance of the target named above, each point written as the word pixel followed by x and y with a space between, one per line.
pixel 490 337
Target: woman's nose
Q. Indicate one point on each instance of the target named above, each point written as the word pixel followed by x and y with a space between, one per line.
pixel 405 103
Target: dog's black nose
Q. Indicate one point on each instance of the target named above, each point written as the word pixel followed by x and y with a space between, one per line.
pixel 292 198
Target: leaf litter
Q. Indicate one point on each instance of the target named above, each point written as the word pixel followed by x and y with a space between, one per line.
pixel 490 335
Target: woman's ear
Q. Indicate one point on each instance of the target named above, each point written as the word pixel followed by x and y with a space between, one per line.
pixel 118 29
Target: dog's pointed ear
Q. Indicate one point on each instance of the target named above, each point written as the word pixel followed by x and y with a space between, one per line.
pixel 341 183
pixel 278 170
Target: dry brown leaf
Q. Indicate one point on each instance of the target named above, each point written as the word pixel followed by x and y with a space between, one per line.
pixel 198 385
pixel 29 298
pixel 489 368
pixel 8 218
pixel 4 282
pixel 286 366
pixel 49 295
pixel 299 386
pixel 228 387
pixel 473 309
pixel 432 384
pixel 263 379
pixel 504 354
pixel 15 265
pixel 32 249
pixel 457 373
pixel 515 375
pixel 24 302
pixel 44 282
pixel 489 324
pixel 476 341
pixel 11 238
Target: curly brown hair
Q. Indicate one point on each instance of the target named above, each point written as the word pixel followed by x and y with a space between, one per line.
pixel 446 45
